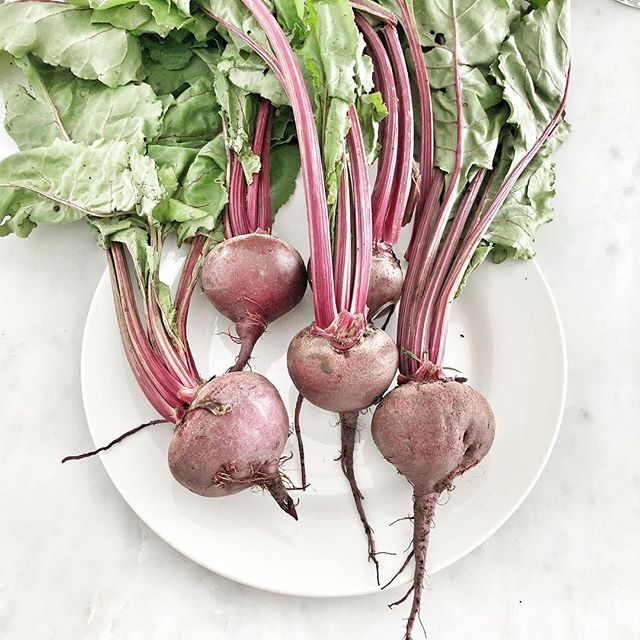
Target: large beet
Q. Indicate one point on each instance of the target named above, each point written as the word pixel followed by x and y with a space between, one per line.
pixel 232 438
pixel 431 432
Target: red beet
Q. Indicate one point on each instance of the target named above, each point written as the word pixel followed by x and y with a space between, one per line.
pixel 385 283
pixel 253 279
pixel 432 432
pixel 232 438
pixel 342 380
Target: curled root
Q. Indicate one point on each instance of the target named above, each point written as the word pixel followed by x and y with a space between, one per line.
pixel 349 423
pixel 298 431
pixel 116 441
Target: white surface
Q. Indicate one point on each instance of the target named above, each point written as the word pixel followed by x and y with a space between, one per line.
pixel 246 537
pixel 77 563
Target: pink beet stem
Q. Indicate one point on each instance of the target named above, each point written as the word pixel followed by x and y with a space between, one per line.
pixel 163 344
pixel 423 262
pixel 342 244
pixel 412 281
pixel 186 286
pixel 264 200
pixel 444 260
pixel 388 129
pixel 384 15
pixel 158 385
pixel 237 207
pixel 404 157
pixel 361 201
pixel 261 143
pixel 479 229
pixel 424 94
pixel 161 337
pixel 154 395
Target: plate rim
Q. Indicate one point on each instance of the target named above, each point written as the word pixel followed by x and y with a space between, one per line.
pixel 557 318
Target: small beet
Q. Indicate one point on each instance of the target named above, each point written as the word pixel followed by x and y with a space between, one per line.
pixel 253 279
pixel 385 282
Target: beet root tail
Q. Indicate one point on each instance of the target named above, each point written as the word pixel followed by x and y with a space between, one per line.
pixel 423 510
pixel 296 426
pixel 249 330
pixel 385 324
pixel 279 493
pixel 348 429
pixel 120 438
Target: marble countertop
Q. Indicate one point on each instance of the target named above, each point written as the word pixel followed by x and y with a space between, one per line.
pixel 76 563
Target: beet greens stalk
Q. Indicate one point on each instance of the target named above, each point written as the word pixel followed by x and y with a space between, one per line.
pixel 433 428
pixel 391 192
pixel 425 106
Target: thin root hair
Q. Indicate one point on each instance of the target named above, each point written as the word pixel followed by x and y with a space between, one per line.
pixel 405 564
pixel 120 438
pixel 404 597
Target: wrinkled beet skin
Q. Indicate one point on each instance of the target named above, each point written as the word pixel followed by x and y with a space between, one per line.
pixel 385 283
pixel 245 442
pixel 254 274
pixel 433 432
pixel 342 381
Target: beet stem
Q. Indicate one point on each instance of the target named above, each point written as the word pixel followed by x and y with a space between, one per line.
pixel 188 279
pixel 384 183
pixel 348 429
pixel 375 10
pixel 343 244
pixel 289 72
pixel 256 216
pixel 403 176
pixel 120 438
pixel 296 426
pixel 480 227
pixel 276 488
pixel 423 510
pixel 361 202
pixel 424 95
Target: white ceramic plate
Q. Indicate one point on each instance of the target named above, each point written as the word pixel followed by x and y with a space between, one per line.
pixel 505 336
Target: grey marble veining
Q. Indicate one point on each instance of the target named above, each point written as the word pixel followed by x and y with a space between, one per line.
pixel 76 563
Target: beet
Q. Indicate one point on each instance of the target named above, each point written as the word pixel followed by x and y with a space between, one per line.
pixel 342 380
pixel 253 279
pixel 432 432
pixel 232 438
pixel 385 283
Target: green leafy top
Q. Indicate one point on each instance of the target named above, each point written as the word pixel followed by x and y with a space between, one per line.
pixel 513 61
pixel 63 35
